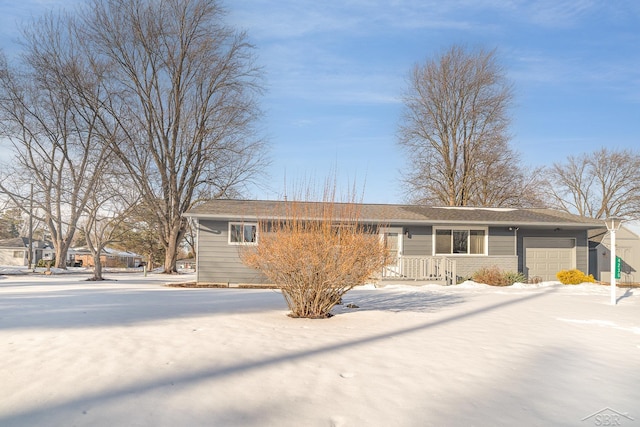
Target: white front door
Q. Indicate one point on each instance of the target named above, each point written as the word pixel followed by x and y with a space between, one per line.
pixel 392 238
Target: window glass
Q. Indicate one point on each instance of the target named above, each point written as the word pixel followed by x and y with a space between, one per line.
pixel 443 241
pixel 235 233
pixel 250 233
pixel 476 241
pixel 460 240
pixel 243 233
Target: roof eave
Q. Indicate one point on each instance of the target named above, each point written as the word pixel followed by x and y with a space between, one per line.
pixel 537 224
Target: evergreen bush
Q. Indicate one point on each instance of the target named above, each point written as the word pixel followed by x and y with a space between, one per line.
pixel 574 277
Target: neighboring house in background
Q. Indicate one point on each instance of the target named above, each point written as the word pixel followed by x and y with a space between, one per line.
pixel 110 258
pixel 627 248
pixel 187 263
pixel 15 252
pixel 441 245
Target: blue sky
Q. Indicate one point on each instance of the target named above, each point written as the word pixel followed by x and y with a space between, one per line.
pixel 335 72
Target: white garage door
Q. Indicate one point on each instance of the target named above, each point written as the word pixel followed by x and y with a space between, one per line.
pixel 545 256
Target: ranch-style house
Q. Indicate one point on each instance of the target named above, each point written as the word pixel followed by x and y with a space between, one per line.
pixel 430 244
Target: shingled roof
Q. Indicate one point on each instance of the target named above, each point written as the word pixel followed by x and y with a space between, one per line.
pixel 16 242
pixel 23 242
pixel 406 214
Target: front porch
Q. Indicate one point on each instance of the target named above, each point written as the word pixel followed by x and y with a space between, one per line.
pixel 434 269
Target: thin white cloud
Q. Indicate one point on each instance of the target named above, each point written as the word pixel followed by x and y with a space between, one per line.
pixel 318 73
pixel 555 13
pixel 300 18
pixel 296 18
pixel 299 43
pixel 540 68
pixel 348 88
pixel 619 76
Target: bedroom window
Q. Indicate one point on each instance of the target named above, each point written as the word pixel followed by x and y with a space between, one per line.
pixel 243 233
pixel 460 241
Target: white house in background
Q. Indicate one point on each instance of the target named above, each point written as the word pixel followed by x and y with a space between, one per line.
pixel 15 252
pixel 627 248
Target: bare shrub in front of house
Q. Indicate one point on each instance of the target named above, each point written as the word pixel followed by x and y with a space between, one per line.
pixel 315 253
pixel 494 276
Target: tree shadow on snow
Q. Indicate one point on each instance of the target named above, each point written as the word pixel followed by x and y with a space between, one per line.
pixel 69 408
pixel 102 305
pixel 422 302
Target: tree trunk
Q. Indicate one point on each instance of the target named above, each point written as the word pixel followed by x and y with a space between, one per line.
pixel 61 250
pixel 171 253
pixel 171 250
pixel 170 259
pixel 97 269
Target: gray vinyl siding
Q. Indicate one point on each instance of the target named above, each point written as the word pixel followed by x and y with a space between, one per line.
pixel 580 236
pixel 501 241
pixel 218 261
pixel 419 241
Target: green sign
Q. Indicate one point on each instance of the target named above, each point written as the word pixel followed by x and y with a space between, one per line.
pixel 618 265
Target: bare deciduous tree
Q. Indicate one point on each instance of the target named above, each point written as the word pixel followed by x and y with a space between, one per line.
pixel 600 184
pixel 106 215
pixel 182 87
pixel 454 130
pixel 57 140
pixel 500 180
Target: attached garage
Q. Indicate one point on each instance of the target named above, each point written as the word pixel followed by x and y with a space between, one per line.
pixel 545 256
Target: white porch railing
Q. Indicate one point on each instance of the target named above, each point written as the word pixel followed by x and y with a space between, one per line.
pixel 437 269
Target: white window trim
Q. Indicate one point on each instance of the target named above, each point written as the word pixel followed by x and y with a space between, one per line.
pixel 460 227
pixel 243 224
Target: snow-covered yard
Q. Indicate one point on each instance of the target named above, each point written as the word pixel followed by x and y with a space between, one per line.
pixel 133 352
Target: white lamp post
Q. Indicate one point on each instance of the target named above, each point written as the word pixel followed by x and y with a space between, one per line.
pixel 613 224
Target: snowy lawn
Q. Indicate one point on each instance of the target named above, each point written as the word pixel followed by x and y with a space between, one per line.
pixel 133 352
